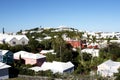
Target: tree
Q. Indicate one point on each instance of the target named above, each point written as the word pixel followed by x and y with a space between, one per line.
pixel 87 56
pixel 50 57
pixel 66 55
pixel 114 50
pixel 117 75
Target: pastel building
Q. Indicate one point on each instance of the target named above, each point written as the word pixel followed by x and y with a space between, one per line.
pixel 30 58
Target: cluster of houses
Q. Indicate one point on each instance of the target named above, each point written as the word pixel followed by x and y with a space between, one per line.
pixel 107 68
pixel 37 59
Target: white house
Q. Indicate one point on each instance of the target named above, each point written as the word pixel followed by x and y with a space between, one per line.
pixel 55 67
pixel 108 68
pixel 14 39
pixel 47 51
pixel 93 52
pixel 4 72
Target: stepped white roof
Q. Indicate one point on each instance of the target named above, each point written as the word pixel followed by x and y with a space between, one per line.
pixel 25 54
pixel 3 52
pixel 54 66
pixel 7 37
pixel 3 65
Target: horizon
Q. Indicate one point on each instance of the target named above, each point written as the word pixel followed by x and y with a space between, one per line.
pixel 85 15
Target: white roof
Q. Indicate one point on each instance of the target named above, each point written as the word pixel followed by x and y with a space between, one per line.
pixel 25 54
pixel 93 52
pixel 3 52
pixel 7 37
pixel 3 65
pixel 54 66
pixel 61 66
pixel 47 51
pixel 108 68
pixel 37 68
pixel 110 63
pixel 20 37
pixel 48 37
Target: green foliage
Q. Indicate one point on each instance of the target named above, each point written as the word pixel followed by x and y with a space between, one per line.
pixel 117 75
pixel 50 57
pixel 25 71
pixel 47 44
pixel 111 51
pixel 66 55
pixel 48 73
pixel 81 69
pixel 86 56
pixel 4 46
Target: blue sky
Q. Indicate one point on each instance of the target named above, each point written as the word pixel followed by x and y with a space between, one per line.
pixel 90 15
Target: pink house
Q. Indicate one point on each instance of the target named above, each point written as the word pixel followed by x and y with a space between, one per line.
pixel 30 58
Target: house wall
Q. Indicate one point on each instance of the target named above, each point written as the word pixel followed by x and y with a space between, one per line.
pixel 69 70
pixel 11 42
pixel 23 41
pixel 30 61
pixel 4 74
pixel 40 61
pixel 1 57
pixel 8 57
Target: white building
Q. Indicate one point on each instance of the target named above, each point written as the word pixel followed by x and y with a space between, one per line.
pixel 93 52
pixel 47 51
pixel 14 39
pixel 55 67
pixel 108 68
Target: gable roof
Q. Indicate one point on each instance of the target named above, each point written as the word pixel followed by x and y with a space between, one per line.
pixel 54 66
pixel 7 37
pixel 3 65
pixel 110 63
pixel 61 66
pixel 25 54
pixel 3 52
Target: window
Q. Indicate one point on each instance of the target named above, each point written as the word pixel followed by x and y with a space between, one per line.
pixel 23 42
pixel 14 42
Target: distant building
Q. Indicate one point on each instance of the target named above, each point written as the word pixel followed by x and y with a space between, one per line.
pixel 6 56
pixel 47 51
pixel 93 52
pixel 30 58
pixel 77 43
pixel 13 39
pixel 4 71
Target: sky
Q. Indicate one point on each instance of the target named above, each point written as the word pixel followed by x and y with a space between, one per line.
pixel 86 15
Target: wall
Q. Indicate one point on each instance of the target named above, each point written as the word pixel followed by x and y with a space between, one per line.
pixel 4 74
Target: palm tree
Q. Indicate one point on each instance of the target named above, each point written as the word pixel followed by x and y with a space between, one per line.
pixel 93 41
pixel 108 44
pixel 79 37
pixel 88 38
